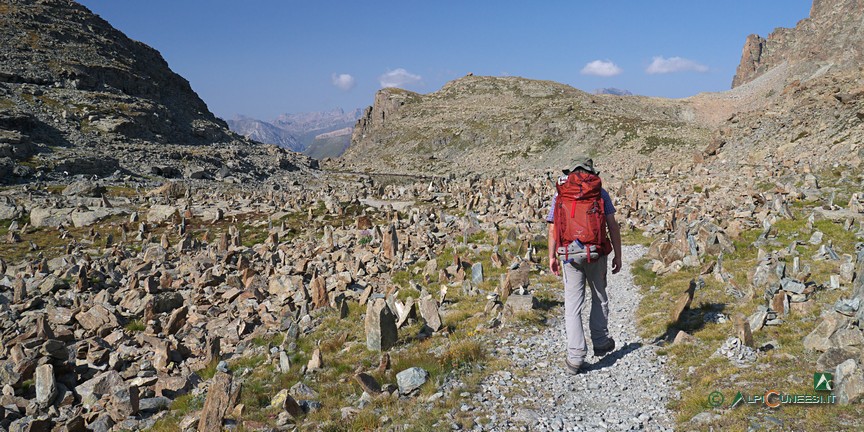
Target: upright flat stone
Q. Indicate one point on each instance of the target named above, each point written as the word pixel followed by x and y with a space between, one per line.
pixel 217 403
pixel 46 386
pixel 390 243
pixel 683 302
pixel 380 325
pixel 477 273
pixel 742 330
pixel 318 289
pixel 429 312
pixel 369 384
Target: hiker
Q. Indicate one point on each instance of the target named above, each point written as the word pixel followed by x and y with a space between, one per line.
pixel 579 218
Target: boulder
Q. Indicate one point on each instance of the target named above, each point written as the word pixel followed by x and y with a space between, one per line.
pixel 848 382
pixel 368 383
pixel 84 188
pixel 520 303
pixel 819 338
pixel 410 379
pixel 160 213
pixel 50 217
pixel 89 217
pixel 102 384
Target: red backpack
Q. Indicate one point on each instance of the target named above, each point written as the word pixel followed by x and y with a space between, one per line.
pixel 579 212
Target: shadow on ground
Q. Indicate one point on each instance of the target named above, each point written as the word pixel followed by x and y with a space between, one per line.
pixel 613 357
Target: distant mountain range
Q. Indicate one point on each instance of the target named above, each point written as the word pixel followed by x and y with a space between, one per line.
pixel 302 132
pixel 613 91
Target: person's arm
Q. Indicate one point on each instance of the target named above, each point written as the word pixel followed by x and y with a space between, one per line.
pixel 615 236
pixel 553 255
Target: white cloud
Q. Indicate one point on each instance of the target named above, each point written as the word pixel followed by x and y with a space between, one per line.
pixel 603 68
pixel 398 78
pixel 343 81
pixel 662 65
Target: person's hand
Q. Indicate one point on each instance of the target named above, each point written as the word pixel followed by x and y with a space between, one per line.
pixel 555 266
pixel 616 264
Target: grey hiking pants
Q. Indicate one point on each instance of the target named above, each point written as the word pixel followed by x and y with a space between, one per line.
pixel 575 276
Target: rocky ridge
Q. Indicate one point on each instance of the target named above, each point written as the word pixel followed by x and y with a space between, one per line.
pixel 820 41
pixel 79 97
pixel 494 124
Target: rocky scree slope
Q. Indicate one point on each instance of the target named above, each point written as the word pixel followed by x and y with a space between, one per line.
pixel 489 124
pixel 77 95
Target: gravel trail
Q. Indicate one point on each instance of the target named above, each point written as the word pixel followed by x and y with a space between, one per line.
pixel 626 390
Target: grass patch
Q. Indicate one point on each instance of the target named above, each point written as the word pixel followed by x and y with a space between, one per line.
pixel 136 325
pixel 635 236
pixel 788 368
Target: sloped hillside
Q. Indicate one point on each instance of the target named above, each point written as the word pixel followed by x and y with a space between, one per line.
pixel 77 95
pixel 498 123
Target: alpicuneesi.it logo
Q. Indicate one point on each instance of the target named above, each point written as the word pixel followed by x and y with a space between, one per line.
pixel 822 382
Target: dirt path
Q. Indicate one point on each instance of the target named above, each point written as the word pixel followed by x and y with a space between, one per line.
pixel 626 390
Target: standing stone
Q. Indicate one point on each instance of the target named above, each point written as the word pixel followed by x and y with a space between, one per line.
pixel 505 288
pixel 213 350
pixel 319 292
pixel 757 320
pixel 46 386
pixel 19 290
pixel 343 308
pixel 287 403
pixel 390 243
pixel 369 384
pixel 683 302
pixel 780 303
pixel 380 323
pixel 429 312
pixel 217 403
pixel 742 330
pixel 177 320
pixel 477 273
pixel 284 362
pixel 315 362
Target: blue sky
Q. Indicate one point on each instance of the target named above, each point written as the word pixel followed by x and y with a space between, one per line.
pixel 265 57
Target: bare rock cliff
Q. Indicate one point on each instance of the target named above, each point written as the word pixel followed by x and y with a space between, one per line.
pixel 832 36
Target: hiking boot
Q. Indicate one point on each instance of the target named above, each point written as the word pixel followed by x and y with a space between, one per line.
pixel 600 351
pixel 572 369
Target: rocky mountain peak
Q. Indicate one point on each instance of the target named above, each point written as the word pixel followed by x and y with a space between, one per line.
pixel 79 97
pixel 831 36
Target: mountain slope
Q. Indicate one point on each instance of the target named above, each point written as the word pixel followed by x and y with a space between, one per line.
pixel 492 123
pixel 300 131
pixel 264 132
pixel 77 95
pixel 330 144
